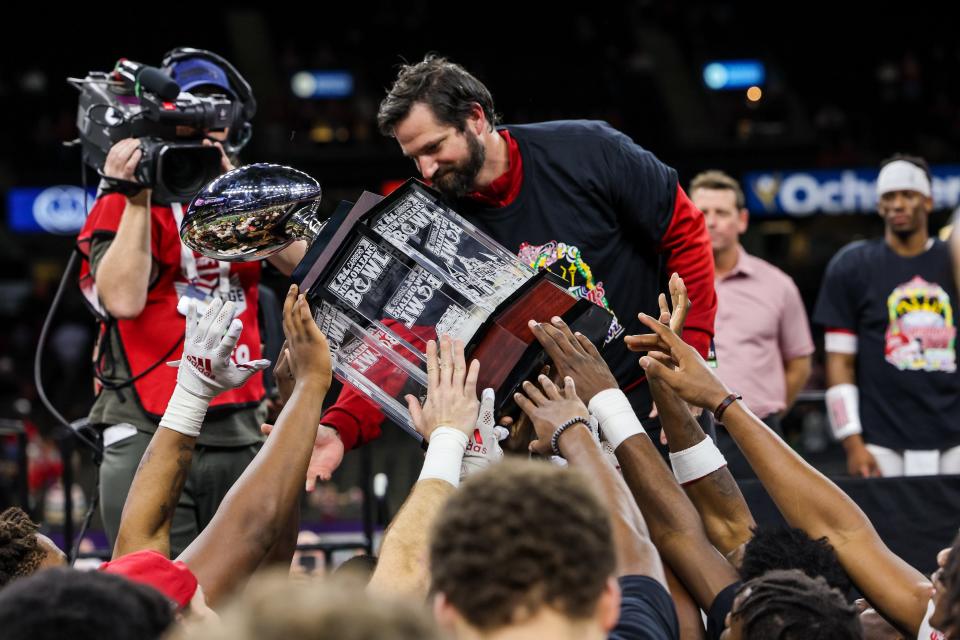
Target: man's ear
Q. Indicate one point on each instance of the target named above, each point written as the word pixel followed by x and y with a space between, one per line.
pixel 477 120
pixel 608 607
pixel 743 220
pixel 444 613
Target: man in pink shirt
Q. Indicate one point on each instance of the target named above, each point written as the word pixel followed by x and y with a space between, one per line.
pixel 763 338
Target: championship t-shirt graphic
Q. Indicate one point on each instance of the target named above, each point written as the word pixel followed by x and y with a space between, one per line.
pixel 564 260
pixel 921 335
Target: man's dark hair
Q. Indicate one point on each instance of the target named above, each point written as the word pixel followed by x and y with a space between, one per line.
pixel 917 161
pixel 20 552
pixel 447 88
pixel 788 605
pixel 784 547
pixel 518 537
pixel 65 603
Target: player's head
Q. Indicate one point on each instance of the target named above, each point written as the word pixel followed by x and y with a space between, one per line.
pixel 789 605
pixel 523 542
pixel 24 551
pixel 82 605
pixel 784 547
pixel 904 194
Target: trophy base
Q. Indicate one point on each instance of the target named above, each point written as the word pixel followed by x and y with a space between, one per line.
pixel 508 352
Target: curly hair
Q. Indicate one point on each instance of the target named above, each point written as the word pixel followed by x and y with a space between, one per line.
pixel 447 88
pixel 790 605
pixel 784 547
pixel 20 552
pixel 518 537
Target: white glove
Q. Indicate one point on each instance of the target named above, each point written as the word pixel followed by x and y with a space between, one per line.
pixel 206 369
pixel 483 447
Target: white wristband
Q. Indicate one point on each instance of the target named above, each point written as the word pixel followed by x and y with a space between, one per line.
pixel 185 412
pixel 843 410
pixel 615 415
pixel 444 455
pixel 698 461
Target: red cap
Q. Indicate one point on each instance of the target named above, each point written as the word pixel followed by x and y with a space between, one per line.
pixel 172 579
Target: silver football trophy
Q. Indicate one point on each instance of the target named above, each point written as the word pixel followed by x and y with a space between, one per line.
pixel 384 275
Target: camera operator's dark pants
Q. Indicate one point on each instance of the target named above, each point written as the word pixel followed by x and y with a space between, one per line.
pixel 212 473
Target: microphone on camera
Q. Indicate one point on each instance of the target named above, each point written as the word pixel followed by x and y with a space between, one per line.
pixel 147 78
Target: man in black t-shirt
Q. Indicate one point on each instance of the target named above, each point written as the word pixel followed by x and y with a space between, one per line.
pixel 888 307
pixel 575 196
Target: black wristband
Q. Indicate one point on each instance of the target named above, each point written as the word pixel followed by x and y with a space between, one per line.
pixel 121 186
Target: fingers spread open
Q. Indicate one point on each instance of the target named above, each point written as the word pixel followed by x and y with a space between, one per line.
pixel 533 393
pixel 549 389
pixel 525 404
pixel 288 303
pixel 563 335
pixel 433 365
pixel 546 340
pixel 230 338
pixel 459 365
pixel 416 413
pixel 470 384
pixel 446 360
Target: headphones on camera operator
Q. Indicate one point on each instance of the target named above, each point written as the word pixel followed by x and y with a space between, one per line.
pixel 241 129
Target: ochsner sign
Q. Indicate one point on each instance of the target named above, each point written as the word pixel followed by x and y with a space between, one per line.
pixel 802 193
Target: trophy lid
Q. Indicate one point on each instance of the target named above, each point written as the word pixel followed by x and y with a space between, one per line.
pixel 243 215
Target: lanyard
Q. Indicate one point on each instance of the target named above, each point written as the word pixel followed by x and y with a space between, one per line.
pixel 188 261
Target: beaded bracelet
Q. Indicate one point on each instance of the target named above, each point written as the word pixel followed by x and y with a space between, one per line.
pixel 555 439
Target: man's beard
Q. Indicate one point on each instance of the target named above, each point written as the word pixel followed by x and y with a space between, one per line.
pixel 457 181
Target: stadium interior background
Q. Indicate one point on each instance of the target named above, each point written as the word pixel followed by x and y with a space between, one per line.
pixel 842 90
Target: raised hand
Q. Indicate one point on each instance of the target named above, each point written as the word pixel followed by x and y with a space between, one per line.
pixel 681 368
pixel 549 408
pixel 307 351
pixel 451 391
pixel 675 318
pixel 575 356
pixel 206 369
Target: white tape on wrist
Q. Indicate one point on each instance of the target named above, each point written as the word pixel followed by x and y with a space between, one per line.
pixel 840 342
pixel 843 410
pixel 698 461
pixel 444 455
pixel 185 412
pixel 615 415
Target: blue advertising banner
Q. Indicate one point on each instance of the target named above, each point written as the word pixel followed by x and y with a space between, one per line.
pixel 58 209
pixel 836 191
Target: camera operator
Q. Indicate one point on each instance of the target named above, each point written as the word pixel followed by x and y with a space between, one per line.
pixel 142 276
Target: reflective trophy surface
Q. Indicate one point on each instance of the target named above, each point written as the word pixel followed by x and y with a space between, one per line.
pixel 385 275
